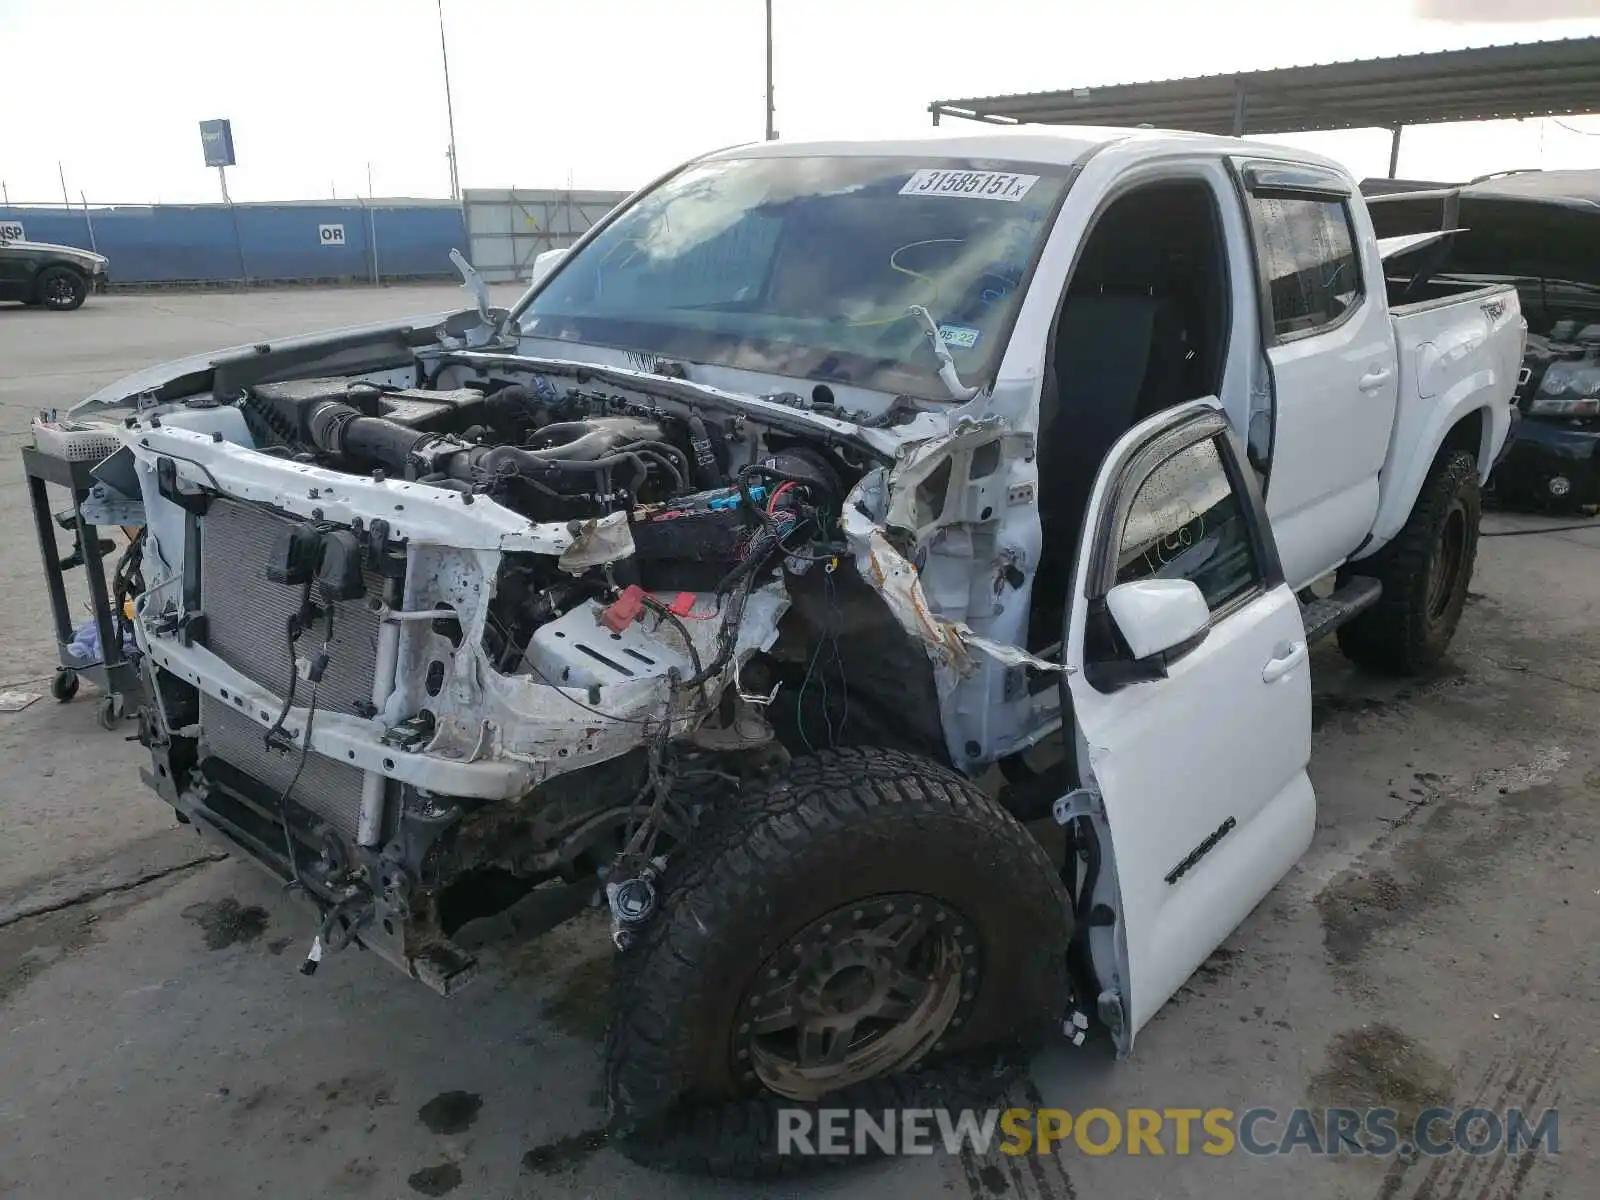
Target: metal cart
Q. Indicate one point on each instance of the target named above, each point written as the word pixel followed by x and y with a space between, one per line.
pixel 116 674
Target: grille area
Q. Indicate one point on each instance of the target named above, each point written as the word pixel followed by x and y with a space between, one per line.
pixel 327 787
pixel 247 614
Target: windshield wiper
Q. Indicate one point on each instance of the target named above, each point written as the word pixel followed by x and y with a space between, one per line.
pixel 947 363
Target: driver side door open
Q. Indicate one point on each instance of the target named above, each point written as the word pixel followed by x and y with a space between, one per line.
pixel 1191 692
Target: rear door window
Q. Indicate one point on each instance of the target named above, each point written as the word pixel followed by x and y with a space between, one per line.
pixel 1308 256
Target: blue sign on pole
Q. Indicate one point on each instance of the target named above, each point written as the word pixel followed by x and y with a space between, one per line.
pixel 216 138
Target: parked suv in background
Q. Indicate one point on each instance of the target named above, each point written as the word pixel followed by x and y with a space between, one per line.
pixel 58 277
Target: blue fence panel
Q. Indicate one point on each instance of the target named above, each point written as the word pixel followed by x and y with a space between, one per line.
pixel 284 243
pixel 418 241
pixel 264 242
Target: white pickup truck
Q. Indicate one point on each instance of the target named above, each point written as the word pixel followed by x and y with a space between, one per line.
pixel 811 482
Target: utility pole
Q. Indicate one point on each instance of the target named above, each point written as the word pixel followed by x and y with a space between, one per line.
pixel 372 229
pixel 65 199
pixel 772 133
pixel 222 177
pixel 449 108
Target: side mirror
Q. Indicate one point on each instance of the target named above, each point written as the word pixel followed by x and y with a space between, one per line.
pixel 1160 619
pixel 546 262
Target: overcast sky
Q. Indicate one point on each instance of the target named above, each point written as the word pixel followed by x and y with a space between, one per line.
pixel 608 93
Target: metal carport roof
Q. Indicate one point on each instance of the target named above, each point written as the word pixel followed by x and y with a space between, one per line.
pixel 1532 79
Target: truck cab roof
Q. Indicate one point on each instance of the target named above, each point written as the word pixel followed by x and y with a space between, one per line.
pixel 1056 145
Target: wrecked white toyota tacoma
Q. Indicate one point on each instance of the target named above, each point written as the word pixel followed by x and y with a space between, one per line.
pixel 813 482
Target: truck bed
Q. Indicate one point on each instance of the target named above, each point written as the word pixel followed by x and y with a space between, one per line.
pixel 1459 351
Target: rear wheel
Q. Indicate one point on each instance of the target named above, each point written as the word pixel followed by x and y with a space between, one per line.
pixel 61 289
pixel 870 931
pixel 1425 573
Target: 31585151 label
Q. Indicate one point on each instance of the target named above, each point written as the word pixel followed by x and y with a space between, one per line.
pixel 969 185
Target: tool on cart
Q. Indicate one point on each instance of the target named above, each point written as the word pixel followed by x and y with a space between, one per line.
pixel 66 454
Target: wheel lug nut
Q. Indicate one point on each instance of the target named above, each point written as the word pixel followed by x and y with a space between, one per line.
pixel 916 909
pixel 888 908
pixel 966 995
pixel 743 1054
pixel 755 1000
pixel 857 915
pixel 969 949
pixel 938 916
pixel 772 974
pixel 745 1028
pixel 957 931
pixel 954 1021
pixel 827 929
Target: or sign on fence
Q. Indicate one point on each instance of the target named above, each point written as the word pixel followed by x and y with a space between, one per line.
pixel 11 231
pixel 330 235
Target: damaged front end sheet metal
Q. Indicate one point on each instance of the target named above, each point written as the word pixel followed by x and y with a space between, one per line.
pixel 962 478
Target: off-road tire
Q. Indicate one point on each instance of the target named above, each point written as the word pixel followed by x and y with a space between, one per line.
pixel 839 827
pixel 60 289
pixel 1409 629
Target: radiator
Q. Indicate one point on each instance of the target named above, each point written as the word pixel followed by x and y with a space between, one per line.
pixel 327 787
pixel 247 614
pixel 246 626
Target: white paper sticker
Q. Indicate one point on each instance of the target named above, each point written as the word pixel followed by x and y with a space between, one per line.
pixel 962 337
pixel 969 185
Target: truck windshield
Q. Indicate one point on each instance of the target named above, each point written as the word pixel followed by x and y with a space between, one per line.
pixel 807 267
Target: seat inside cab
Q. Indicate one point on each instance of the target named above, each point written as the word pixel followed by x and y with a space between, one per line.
pixel 1142 327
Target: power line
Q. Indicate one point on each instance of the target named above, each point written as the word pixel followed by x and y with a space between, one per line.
pixel 1575 129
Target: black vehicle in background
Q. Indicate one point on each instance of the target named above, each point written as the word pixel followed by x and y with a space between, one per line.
pixel 1541 231
pixel 55 277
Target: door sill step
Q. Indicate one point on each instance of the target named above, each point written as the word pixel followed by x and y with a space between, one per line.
pixel 1322 617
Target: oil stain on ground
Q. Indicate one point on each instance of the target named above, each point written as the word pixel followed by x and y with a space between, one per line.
pixel 30 947
pixel 1379 1065
pixel 1463 833
pixel 1355 907
pixel 579 1007
pixel 451 1112
pixel 564 1152
pixel 226 922
pixel 435 1180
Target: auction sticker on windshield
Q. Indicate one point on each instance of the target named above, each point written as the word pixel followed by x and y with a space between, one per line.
pixel 972 185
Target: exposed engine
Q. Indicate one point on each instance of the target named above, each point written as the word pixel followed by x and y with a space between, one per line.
pixel 549 457
pixel 712 502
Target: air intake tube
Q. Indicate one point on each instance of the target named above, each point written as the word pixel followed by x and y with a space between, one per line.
pixel 337 428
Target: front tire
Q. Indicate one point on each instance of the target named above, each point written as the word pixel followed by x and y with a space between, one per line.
pixel 869 929
pixel 61 289
pixel 1425 574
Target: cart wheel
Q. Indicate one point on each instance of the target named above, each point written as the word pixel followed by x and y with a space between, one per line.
pixel 65 685
pixel 110 713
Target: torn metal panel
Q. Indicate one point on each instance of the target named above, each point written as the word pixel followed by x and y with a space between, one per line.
pixel 950 643
pixel 598 543
pixel 555 728
pixel 961 477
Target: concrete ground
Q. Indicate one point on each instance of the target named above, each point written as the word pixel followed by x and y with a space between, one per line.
pixel 1437 944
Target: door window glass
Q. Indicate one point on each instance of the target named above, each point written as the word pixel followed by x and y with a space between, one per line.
pixel 1308 253
pixel 1188 522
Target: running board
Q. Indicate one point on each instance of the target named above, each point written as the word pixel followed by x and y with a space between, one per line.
pixel 1322 617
